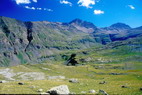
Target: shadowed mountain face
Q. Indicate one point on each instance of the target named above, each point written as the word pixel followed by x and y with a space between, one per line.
pixel 83 26
pixel 33 42
pixel 120 26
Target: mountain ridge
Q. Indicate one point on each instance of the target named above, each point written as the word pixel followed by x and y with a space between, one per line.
pixel 24 42
pixel 68 22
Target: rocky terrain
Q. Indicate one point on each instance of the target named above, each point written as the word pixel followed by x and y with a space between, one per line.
pixel 35 42
pixel 49 78
pixel 33 57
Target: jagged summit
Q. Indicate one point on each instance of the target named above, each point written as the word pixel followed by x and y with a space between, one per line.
pixel 76 21
pixel 82 23
pixel 120 26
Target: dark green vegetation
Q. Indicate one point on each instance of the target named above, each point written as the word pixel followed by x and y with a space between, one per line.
pixel 112 54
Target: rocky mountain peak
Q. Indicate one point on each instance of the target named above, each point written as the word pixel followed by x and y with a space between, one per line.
pixel 120 26
pixel 82 23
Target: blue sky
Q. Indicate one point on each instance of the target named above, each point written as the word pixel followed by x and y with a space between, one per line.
pixel 100 12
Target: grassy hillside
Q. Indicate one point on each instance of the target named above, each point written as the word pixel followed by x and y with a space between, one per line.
pixel 118 65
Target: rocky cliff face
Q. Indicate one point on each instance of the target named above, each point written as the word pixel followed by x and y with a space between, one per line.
pixel 31 42
pixel 22 42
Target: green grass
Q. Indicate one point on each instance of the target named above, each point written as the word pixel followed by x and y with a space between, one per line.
pixel 101 63
pixel 88 77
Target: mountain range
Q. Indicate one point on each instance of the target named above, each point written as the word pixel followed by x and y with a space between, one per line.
pixel 32 42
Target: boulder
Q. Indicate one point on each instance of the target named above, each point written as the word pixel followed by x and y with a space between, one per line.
pixel 40 90
pixel 2 81
pixel 141 89
pixel 103 82
pixel 102 92
pixel 20 83
pixel 44 93
pixel 62 89
pixel 92 91
pixel 117 73
pixel 123 86
pixel 73 80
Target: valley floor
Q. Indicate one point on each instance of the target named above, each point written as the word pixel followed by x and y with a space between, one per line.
pixel 112 78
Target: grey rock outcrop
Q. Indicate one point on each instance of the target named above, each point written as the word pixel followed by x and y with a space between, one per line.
pixel 73 80
pixel 92 91
pixel 40 90
pixel 56 77
pixel 62 89
pixel 103 92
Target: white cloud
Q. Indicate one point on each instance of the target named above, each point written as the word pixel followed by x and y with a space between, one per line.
pixel 97 12
pixel 65 2
pixel 39 8
pixel 35 1
pixel 46 9
pixel 50 10
pixel 33 8
pixel 86 3
pixel 131 6
pixel 22 1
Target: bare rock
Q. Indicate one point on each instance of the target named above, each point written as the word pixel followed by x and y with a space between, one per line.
pixel 73 80
pixel 103 82
pixel 45 69
pixel 72 93
pixel 103 92
pixel 62 89
pixel 44 93
pixel 92 91
pixel 56 77
pixel 39 90
pixel 21 83
pixel 123 86
pixel 3 81
pixel 32 76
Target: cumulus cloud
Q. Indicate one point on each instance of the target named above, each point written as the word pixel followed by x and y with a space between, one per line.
pixel 24 1
pixel 86 3
pixel 33 8
pixel 35 1
pixel 65 2
pixel 97 12
pixel 131 6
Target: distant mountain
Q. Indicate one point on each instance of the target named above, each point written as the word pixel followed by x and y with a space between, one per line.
pixel 120 26
pixel 138 28
pixel 33 42
pixel 22 42
pixel 83 25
